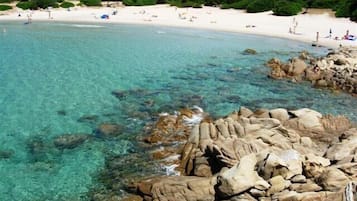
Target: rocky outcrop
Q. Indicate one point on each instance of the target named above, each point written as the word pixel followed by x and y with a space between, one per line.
pixel 336 70
pixel 254 155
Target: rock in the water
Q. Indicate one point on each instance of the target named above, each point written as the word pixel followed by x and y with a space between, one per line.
pixel 6 154
pixel 299 67
pixel 70 141
pixel 249 51
pixel 336 70
pixel 108 130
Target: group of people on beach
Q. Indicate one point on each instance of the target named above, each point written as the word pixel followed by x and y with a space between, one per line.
pixel 347 36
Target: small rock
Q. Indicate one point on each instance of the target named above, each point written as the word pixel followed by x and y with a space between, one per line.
pixel 249 51
pixel 62 112
pixel 108 130
pixel 298 179
pixel 88 118
pixel 6 154
pixel 70 141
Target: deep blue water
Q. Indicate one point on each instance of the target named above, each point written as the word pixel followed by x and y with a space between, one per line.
pixel 52 74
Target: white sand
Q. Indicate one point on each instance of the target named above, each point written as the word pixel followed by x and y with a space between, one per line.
pixel 208 18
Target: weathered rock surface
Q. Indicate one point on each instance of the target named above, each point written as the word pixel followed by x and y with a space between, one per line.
pixel 254 155
pixel 336 70
pixel 178 188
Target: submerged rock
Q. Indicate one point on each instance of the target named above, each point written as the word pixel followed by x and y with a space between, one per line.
pixel 62 112
pixel 70 141
pixel 6 154
pixel 249 51
pixel 108 130
pixel 88 118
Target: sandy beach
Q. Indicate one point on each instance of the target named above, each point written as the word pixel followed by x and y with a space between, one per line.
pixel 303 27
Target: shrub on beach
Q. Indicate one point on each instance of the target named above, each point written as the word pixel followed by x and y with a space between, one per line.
pixel 185 4
pixel 25 5
pixel 45 3
pixel 5 7
pixel 236 5
pixel 6 1
pixel 92 2
pixel 139 2
pixel 347 8
pixel 67 4
pixel 259 6
pixel 286 8
pixel 323 3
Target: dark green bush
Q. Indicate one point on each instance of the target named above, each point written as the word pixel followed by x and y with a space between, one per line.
pixel 342 11
pixel 139 2
pixel 236 5
pixel 92 2
pixel 192 4
pixel 347 8
pixel 6 1
pixel 354 15
pixel 212 2
pixel 26 5
pixel 5 7
pixel 67 4
pixel 185 4
pixel 45 3
pixel 286 8
pixel 259 6
pixel 324 3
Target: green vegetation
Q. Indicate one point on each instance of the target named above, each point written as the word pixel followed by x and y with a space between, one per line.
pixel 260 6
pixel 26 5
pixel 92 2
pixel 348 8
pixel 343 8
pixel 66 4
pixel 5 7
pixel 35 4
pixel 236 5
pixel 139 2
pixel 6 1
pixel 286 8
pixel 185 3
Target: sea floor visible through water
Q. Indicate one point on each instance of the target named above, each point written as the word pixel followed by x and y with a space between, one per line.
pixel 58 78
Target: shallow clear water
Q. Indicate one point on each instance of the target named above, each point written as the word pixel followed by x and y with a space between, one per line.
pixel 53 74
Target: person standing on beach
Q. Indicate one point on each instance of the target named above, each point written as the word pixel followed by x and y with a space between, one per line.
pixel 317 37
pixel 330 34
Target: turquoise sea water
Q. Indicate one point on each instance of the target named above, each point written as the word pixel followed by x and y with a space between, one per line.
pixel 52 74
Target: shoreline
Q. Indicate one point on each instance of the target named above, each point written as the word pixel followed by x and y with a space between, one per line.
pixel 209 18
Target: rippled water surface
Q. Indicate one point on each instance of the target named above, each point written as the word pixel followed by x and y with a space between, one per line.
pixel 51 75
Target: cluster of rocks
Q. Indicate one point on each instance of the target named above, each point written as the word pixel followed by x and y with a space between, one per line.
pixel 263 155
pixel 336 70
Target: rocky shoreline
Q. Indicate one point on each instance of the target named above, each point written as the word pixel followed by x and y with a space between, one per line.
pixel 262 155
pixel 337 70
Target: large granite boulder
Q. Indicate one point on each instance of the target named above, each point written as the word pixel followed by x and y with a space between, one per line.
pixel 239 178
